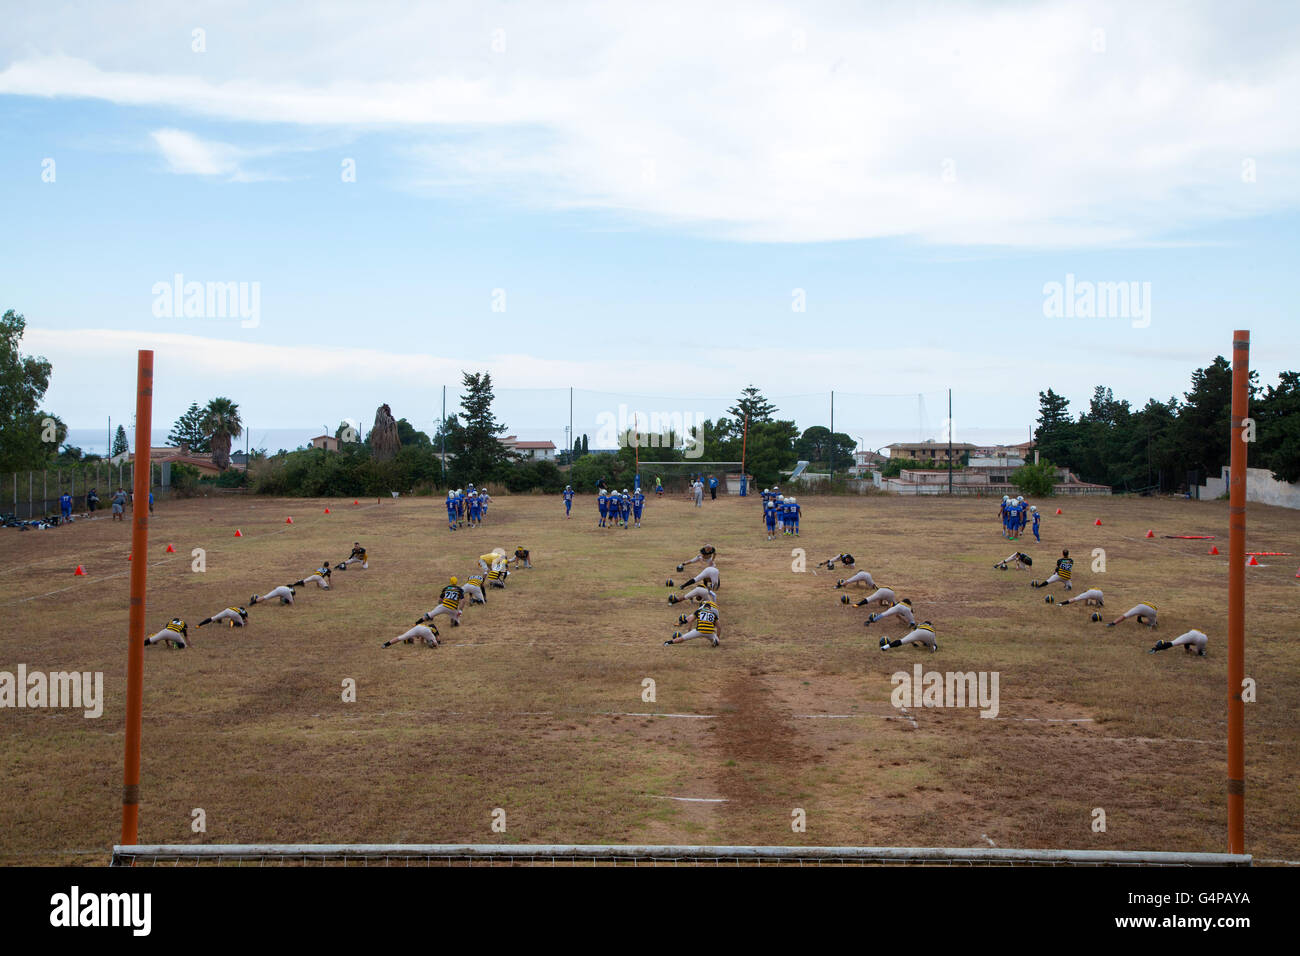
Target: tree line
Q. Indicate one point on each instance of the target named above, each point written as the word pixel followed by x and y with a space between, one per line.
pixel 1173 444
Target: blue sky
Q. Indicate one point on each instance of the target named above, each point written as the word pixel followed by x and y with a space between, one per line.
pixel 646 192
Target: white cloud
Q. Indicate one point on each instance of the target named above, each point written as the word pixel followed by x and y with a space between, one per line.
pixel 187 153
pixel 713 117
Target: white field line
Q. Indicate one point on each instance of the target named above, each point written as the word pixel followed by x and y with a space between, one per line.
pixel 655 796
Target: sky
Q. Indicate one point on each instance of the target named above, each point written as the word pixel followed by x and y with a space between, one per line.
pixel 655 205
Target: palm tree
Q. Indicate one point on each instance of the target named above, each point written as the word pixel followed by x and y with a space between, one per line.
pixel 221 423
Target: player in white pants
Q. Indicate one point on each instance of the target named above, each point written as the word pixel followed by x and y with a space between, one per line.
pixel 922 634
pixel 449 603
pixel 358 556
pixel 1090 596
pixel 474 589
pixel 706 625
pixel 175 634
pixel 902 610
pixel 320 577
pixel 882 595
pixel 708 576
pixel 708 555
pixel 1145 614
pixel 237 617
pixel 700 593
pixel 284 593
pixel 429 635
pixel 862 577
pixel 1193 640
pixel 1021 559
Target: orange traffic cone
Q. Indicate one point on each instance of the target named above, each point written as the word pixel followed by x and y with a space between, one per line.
pixel 1214 549
pixel 128 557
pixel 1253 563
pixel 238 533
pixel 356 502
pixel 1058 511
pixel 80 573
pixel 1297 574
pixel 327 511
pixel 288 521
pixel 1098 522
pixel 1150 533
pixel 170 550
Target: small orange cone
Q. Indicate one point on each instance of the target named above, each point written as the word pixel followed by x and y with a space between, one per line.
pixel 1150 534
pixel 356 502
pixel 238 533
pixel 288 521
pixel 128 557
pixel 80 573
pixel 1297 574
pixel 327 511
pixel 1098 522
pixel 1214 549
pixel 1252 562
pixel 170 550
pixel 1058 511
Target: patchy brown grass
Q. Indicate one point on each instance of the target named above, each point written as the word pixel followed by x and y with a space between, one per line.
pixel 532 706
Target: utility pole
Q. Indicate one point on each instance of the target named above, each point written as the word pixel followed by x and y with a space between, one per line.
pixel 443 431
pixel 950 441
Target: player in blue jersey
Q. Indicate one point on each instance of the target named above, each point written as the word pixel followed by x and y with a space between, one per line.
pixel 795 511
pixel 638 502
pixel 1037 514
pixel 451 511
pixel 1023 515
pixel 568 500
pixel 602 502
pixel 769 515
pixel 471 510
pixel 625 508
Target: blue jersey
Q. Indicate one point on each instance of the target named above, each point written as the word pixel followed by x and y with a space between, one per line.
pixel 624 505
pixel 568 495
pixel 602 502
pixel 769 512
pixel 638 501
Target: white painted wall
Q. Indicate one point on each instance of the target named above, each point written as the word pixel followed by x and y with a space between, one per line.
pixel 1261 487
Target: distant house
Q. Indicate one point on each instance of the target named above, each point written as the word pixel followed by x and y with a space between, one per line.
pixel 328 442
pixel 529 450
pixel 930 450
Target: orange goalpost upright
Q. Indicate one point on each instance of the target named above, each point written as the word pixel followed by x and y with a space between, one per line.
pixel 1237 593
pixel 136 622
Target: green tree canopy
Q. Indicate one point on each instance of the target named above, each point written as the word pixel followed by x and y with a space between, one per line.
pixel 189 429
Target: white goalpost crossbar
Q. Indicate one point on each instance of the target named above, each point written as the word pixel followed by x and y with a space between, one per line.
pixel 651 855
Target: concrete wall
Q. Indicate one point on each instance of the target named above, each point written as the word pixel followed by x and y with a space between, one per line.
pixel 1261 487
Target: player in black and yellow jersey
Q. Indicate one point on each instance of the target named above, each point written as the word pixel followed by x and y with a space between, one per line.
pixel 358 556
pixel 236 616
pixel 924 634
pixel 474 589
pixel 319 577
pixel 175 634
pixel 1145 614
pixel 1063 572
pixel 706 625
pixel 449 603
pixel 521 557
pixel 426 635
pixel 496 578
pixel 882 595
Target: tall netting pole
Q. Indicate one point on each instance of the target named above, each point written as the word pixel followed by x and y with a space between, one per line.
pixel 139 570
pixel 1237 594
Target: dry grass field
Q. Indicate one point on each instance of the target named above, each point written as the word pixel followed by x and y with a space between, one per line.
pixel 535 704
